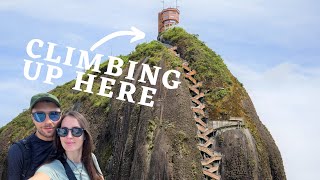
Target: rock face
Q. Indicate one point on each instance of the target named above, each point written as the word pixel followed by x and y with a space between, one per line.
pixel 192 132
pixel 154 143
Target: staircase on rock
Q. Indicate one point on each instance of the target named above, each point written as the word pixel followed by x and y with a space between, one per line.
pixel 211 160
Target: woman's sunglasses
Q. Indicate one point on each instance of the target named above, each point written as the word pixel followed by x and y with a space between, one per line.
pixel 41 116
pixel 75 131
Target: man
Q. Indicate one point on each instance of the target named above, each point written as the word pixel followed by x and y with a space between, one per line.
pixel 27 155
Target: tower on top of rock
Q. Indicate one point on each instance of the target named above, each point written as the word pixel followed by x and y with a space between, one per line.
pixel 168 18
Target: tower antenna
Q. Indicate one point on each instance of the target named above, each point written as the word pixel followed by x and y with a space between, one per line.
pixel 177 4
pixel 162 4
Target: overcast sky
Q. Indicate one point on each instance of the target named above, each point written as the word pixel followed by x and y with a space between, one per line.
pixel 271 46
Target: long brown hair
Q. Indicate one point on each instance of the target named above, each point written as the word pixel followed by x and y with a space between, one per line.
pixel 87 147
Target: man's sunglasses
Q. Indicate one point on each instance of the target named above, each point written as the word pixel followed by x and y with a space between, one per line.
pixel 41 116
pixel 75 131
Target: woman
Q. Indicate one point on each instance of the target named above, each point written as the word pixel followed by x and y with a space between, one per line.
pixel 74 150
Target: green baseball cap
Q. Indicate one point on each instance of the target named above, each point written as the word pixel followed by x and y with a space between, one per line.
pixel 43 97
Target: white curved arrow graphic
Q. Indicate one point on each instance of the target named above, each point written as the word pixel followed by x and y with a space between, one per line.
pixel 134 32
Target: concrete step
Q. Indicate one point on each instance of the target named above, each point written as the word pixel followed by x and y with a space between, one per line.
pixel 199 111
pixel 213 176
pixel 195 100
pixel 187 76
pixel 210 160
pixel 211 168
pixel 198 120
pixel 200 106
pixel 192 72
pixel 207 144
pixel 199 96
pixel 206 138
pixel 206 150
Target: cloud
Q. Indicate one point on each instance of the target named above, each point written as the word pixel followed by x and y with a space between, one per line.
pixel 15 97
pixel 241 16
pixel 255 22
pixel 16 91
pixel 286 98
pixel 110 14
pixel 272 24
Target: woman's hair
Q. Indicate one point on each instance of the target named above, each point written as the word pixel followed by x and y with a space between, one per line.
pixel 87 148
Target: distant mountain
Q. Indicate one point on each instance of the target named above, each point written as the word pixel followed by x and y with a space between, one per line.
pixel 208 127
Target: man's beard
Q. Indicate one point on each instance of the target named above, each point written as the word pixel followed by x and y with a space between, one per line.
pixel 44 134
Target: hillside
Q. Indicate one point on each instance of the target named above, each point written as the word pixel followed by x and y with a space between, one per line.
pixel 206 127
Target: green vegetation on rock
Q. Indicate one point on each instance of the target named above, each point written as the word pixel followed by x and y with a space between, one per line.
pixel 208 64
